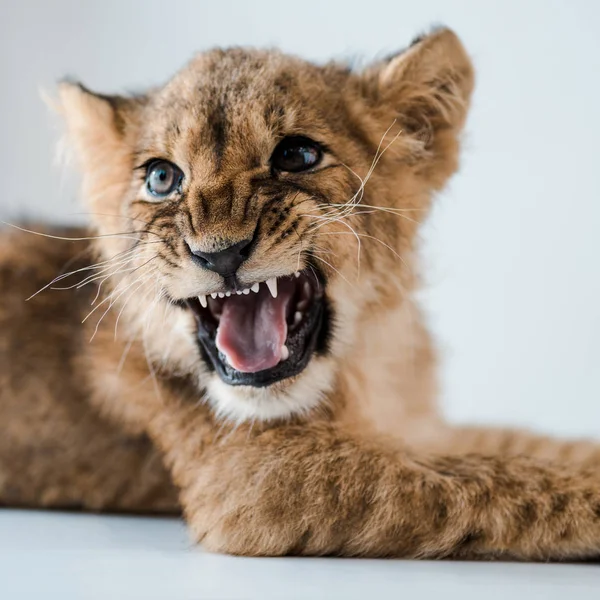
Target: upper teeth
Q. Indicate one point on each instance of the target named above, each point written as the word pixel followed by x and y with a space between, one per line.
pixel 272 285
pixel 255 287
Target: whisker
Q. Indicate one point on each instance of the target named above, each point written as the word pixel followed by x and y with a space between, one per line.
pixel 352 230
pixel 124 355
pixel 88 268
pixel 105 279
pixel 385 209
pixel 113 302
pixel 125 236
pixel 348 207
pixel 99 274
pixel 338 213
pixel 145 346
pixel 372 237
pixel 332 267
pixel 97 214
pixel 107 299
pixel 101 267
pixel 126 301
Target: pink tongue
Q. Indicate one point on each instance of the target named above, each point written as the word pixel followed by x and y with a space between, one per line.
pixel 253 329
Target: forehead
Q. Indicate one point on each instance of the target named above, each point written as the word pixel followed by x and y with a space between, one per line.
pixel 240 100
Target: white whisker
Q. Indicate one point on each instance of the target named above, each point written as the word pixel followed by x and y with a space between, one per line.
pixel 98 265
pixel 332 267
pixel 124 236
pixel 108 298
pixel 113 302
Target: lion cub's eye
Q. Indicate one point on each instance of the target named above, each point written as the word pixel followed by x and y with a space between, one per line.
pixel 294 154
pixel 163 178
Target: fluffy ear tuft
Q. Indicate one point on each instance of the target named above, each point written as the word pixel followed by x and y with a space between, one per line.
pixel 435 73
pixel 427 88
pixel 102 131
pixel 96 124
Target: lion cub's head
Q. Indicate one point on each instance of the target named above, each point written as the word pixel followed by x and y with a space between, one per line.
pixel 268 204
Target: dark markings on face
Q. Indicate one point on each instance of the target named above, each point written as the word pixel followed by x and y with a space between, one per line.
pixel 187 215
pixel 203 203
pixel 219 126
pixel 309 190
pixel 170 262
pixel 161 224
pixel 247 206
pixel 280 215
pixel 194 215
pixel 229 197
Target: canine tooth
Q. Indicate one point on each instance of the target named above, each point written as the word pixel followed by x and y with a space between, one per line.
pixel 297 317
pixel 221 295
pixel 214 295
pixel 246 291
pixel 297 274
pixel 272 285
pixel 285 353
pixel 203 301
pixel 255 287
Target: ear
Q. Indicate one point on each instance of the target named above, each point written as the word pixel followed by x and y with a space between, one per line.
pixel 102 130
pixel 427 89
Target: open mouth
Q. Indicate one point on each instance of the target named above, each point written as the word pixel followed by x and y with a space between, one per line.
pixel 265 333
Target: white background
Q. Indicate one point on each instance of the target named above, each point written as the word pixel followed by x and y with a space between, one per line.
pixel 511 251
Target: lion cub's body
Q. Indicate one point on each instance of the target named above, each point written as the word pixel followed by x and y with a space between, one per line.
pixel 55 449
pixel 348 456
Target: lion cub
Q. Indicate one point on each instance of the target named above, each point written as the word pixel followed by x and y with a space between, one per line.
pixel 241 308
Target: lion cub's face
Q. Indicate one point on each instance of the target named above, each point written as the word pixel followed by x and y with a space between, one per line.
pixel 271 204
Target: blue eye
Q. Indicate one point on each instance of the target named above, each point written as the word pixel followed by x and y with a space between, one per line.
pixel 295 154
pixel 163 178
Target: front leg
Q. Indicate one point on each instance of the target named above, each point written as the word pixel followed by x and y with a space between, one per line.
pixel 313 490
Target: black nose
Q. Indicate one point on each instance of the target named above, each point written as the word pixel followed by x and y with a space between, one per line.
pixel 225 262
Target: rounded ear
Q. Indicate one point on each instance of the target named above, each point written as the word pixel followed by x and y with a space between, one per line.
pixel 427 89
pixel 102 131
pixel 98 124
pixel 433 78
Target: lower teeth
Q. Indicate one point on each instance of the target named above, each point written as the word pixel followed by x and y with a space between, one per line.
pixel 285 353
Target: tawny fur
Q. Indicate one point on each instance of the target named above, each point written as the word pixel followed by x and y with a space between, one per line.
pixel 351 456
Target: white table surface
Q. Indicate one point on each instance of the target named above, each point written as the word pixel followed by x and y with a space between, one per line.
pixel 48 555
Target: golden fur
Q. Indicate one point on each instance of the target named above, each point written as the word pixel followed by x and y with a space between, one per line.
pixel 350 457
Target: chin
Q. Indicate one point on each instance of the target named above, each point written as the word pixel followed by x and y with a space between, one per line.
pixel 295 396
